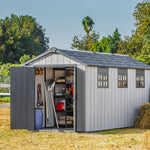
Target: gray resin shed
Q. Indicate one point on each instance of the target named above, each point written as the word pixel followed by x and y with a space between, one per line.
pixel 108 90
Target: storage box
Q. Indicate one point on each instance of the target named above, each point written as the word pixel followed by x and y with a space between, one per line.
pixel 67 118
pixel 62 122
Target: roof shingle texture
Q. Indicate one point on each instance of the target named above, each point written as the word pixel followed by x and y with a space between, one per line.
pixel 103 59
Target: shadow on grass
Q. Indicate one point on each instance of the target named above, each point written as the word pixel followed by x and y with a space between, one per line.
pixel 123 131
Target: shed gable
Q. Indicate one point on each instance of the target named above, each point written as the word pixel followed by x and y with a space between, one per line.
pixel 52 58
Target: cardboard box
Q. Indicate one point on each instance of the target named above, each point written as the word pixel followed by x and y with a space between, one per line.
pixel 67 118
pixel 62 122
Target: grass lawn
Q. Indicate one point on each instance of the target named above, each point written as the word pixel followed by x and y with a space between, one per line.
pixel 128 138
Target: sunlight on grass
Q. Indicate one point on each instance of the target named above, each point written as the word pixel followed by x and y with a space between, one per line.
pixel 129 138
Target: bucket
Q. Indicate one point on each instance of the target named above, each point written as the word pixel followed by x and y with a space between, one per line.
pixel 38 118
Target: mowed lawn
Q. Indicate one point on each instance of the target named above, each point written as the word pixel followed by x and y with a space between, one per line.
pixel 129 138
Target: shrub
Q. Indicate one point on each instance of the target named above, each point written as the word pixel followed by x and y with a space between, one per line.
pixel 4 99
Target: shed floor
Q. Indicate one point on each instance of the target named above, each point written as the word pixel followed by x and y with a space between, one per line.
pixel 57 130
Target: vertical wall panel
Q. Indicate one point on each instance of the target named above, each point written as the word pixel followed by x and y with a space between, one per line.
pixel 42 60
pixel 48 59
pixel 54 58
pixel 80 98
pixel 66 60
pixel 87 99
pixel 96 106
pixel 92 98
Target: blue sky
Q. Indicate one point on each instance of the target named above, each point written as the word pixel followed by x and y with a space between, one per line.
pixel 62 18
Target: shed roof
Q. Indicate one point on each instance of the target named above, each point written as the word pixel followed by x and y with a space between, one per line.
pixel 97 59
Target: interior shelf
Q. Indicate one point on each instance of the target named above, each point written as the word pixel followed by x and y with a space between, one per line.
pixel 65 101
pixel 60 110
pixel 59 96
pixel 60 83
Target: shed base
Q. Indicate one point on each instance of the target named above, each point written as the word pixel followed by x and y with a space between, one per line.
pixel 57 130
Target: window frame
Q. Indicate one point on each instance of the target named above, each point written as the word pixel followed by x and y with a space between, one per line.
pixel 122 77
pixel 103 73
pixel 139 73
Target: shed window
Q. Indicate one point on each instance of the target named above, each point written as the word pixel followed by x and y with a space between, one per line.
pixel 102 78
pixel 122 78
pixel 140 81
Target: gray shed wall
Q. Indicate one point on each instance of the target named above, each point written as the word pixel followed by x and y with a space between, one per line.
pixel 113 107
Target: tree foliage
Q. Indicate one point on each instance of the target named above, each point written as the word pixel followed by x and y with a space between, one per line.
pixel 90 42
pixel 87 23
pixel 142 16
pixel 25 58
pixel 138 45
pixel 86 42
pixel 108 44
pixel 5 72
pixel 143 58
pixel 102 45
pixel 20 35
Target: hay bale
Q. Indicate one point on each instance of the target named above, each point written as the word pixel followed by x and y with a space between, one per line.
pixel 143 121
pixel 143 108
pixel 137 122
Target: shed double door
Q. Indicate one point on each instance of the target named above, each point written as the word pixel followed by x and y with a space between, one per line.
pixel 23 98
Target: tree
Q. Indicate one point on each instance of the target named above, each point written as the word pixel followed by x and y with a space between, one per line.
pixel 21 35
pixel 108 44
pixel 102 45
pixel 25 58
pixel 114 41
pixel 87 23
pixel 5 72
pixel 86 42
pixel 142 16
pixel 138 45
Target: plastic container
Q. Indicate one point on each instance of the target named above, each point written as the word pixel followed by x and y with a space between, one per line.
pixel 60 105
pixel 38 118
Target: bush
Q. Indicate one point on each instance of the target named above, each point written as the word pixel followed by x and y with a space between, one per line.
pixel 4 99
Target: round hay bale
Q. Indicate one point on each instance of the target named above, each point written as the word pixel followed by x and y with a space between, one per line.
pixel 143 108
pixel 145 121
pixel 137 122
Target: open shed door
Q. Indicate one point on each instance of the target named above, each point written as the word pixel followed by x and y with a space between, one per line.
pixel 22 98
pixel 80 100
